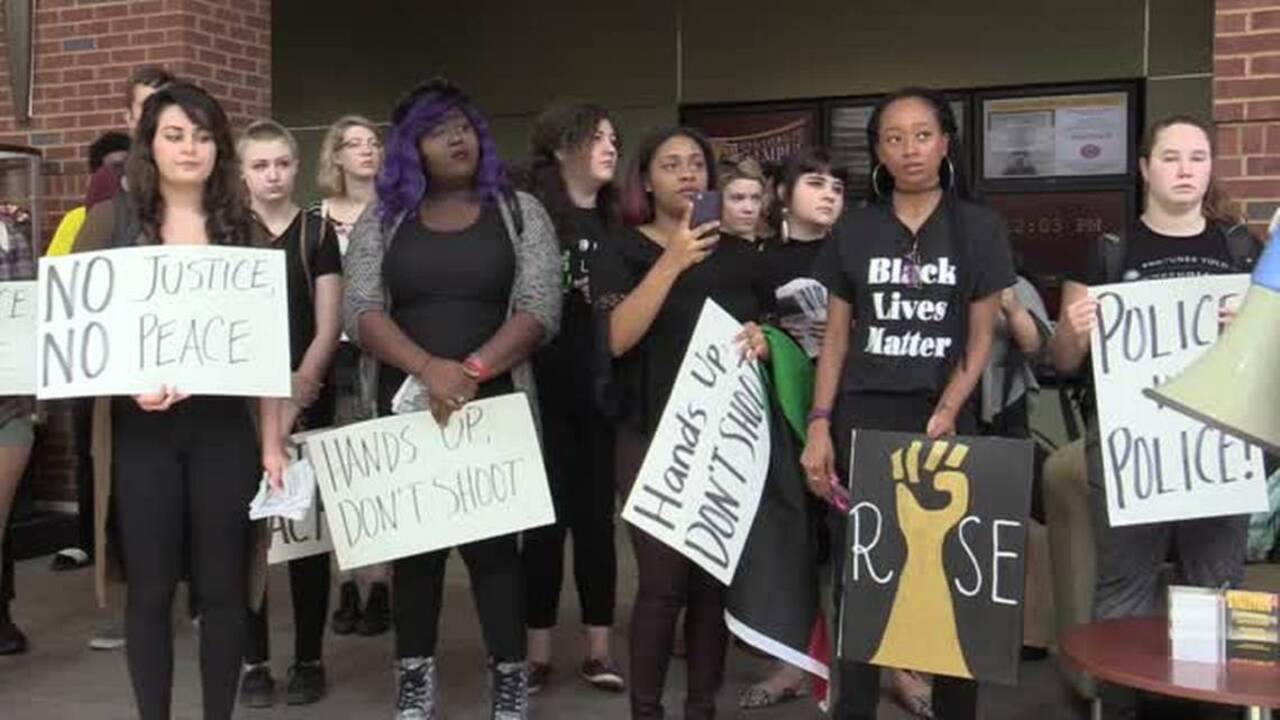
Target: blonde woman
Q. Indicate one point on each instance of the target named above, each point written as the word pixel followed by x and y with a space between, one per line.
pixel 350 157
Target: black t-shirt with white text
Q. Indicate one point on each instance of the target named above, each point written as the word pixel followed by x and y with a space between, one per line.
pixel 1149 255
pixel 907 316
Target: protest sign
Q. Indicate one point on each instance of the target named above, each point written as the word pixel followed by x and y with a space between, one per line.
pixel 206 320
pixel 699 486
pixel 403 485
pixel 295 539
pixel 1159 464
pixel 18 338
pixel 934 554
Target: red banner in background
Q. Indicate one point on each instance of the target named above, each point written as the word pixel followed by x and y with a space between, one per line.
pixel 766 135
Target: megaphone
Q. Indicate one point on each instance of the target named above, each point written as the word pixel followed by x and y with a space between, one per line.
pixel 1235 385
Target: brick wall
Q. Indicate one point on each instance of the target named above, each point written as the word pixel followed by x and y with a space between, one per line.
pixel 1246 104
pixel 84 52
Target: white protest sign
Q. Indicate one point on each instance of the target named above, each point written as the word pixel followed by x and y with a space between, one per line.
pixel 292 540
pixel 700 484
pixel 1159 464
pixel 205 320
pixel 402 485
pixel 295 539
pixel 18 338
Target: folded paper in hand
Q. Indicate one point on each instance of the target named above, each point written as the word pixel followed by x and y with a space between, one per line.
pixel 293 501
pixel 410 398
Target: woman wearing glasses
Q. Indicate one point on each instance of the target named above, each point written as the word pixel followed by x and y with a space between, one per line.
pixel 916 246
pixel 350 156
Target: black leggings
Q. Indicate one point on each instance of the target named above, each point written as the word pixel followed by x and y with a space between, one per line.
pixel 578 448
pixel 187 473
pixel 309 587
pixel 494 565
pixel 859 684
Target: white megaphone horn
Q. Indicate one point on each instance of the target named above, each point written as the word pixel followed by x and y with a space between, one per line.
pixel 1235 385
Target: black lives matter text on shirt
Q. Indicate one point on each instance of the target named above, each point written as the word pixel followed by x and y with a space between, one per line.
pixel 908 316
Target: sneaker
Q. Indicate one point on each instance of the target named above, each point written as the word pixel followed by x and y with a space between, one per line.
pixel 348 612
pixel 376 617
pixel 12 641
pixel 416 688
pixel 257 687
pixel 72 558
pixel 110 637
pixel 539 676
pixel 307 683
pixel 602 674
pixel 510 687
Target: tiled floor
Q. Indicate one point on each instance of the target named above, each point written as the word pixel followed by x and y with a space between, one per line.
pixel 60 678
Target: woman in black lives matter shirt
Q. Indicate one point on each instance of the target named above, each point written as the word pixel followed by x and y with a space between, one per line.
pixel 916 276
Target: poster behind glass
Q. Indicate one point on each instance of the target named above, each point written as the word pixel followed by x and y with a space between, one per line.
pixel 1055 136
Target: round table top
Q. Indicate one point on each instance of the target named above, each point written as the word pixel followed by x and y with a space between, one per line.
pixel 1134 652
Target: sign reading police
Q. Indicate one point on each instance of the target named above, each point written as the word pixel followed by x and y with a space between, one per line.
pixel 17 338
pixel 1158 463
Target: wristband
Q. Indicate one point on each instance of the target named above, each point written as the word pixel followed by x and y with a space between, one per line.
pixel 820 414
pixel 476 368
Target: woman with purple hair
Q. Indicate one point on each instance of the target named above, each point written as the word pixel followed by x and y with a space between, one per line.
pixel 452 279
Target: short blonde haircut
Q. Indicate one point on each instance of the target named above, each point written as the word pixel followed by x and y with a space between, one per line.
pixel 267 130
pixel 329 178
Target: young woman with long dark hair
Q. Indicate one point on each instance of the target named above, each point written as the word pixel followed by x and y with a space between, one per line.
pixel 180 471
pixel 446 285
pixel 880 372
pixel 575 156
pixel 650 285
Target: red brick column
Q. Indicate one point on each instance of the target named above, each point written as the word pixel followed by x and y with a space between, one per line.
pixel 84 52
pixel 1246 104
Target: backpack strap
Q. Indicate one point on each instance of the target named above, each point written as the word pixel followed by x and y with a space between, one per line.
pixel 512 200
pixel 1242 247
pixel 125 227
pixel 310 235
pixel 1109 254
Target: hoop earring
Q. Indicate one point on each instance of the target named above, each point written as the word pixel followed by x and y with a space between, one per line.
pixel 951 175
pixel 784 228
pixel 875 180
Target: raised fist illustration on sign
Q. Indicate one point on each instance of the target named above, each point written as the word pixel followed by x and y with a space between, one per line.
pixel 921 631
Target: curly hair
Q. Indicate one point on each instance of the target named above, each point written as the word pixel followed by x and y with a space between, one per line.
pixel 228 220
pixel 329 178
pixel 402 182
pixel 567 127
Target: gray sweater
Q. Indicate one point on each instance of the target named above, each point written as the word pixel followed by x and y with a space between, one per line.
pixel 535 290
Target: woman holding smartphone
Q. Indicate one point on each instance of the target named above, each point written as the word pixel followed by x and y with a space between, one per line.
pixel 651 284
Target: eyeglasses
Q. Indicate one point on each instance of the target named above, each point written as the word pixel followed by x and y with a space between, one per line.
pixel 372 143
pixel 912 261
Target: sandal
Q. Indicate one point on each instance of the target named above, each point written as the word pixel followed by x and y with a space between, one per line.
pixel 761 696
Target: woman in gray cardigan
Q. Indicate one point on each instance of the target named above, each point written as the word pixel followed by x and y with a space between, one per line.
pixel 454 281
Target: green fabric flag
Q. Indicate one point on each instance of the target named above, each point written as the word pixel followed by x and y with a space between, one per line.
pixel 792 375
